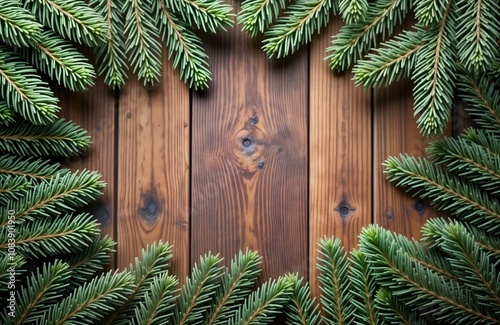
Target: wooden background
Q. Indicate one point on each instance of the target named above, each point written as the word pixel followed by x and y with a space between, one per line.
pixel 274 156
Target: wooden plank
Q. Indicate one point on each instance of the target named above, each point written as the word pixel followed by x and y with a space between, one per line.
pixel 249 156
pixel 94 110
pixel 396 132
pixel 340 154
pixel 153 169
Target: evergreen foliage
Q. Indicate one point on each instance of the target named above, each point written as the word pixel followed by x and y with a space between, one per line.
pixel 450 39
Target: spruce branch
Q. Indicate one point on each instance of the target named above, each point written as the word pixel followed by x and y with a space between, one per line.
pixel 60 138
pixel 394 60
pixel 6 262
pixel 477 33
pixel 363 287
pixel 483 100
pixel 73 19
pixel 17 25
pixel 336 292
pixel 301 19
pixel 142 44
pixel 236 284
pixel 6 113
pixel 154 262
pixel 111 55
pixel 301 309
pixel 48 237
pixel 468 160
pixel 90 260
pixel 24 91
pixel 430 12
pixel 91 302
pixel 354 39
pixel 12 188
pixel 463 199
pixel 184 46
pixel 472 264
pixel 257 15
pixel 43 288
pixel 198 291
pixel 57 58
pixel 262 306
pixel 32 169
pixel 418 287
pixel 204 14
pixel 60 194
pixel 158 301
pixel 393 311
pixel 353 11
pixel 434 74
pixel 486 139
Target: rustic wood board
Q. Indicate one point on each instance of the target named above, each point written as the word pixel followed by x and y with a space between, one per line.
pixel 396 132
pixel 340 154
pixel 153 169
pixel 249 156
pixel 95 111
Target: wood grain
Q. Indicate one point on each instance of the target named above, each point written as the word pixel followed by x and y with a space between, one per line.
pixel 94 110
pixel 340 154
pixel 396 132
pixel 153 169
pixel 249 156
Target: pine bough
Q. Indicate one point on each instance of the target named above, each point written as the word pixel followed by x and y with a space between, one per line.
pixel 448 38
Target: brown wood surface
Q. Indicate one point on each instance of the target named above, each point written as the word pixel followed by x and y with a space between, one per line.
pixel 396 132
pixel 153 169
pixel 94 110
pixel 249 156
pixel 340 154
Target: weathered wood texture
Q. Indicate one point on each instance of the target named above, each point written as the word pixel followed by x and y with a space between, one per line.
pixel 396 132
pixel 95 111
pixel 249 156
pixel 340 154
pixel 153 169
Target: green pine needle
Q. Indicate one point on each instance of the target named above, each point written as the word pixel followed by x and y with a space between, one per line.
pixel 355 39
pixel 6 113
pixel 430 11
pixel 60 138
pixel 235 286
pixel 197 294
pixel 208 15
pixel 158 301
pixel 264 304
pixel 485 139
pixel 142 44
pixel 110 56
pixel 23 89
pixel 257 15
pixel 12 188
pixel 154 262
pixel 393 311
pixel 43 288
pixel 6 262
pixel 392 61
pixel 48 237
pixel 184 46
pixel 353 11
pixel 61 194
pixel 336 292
pixel 57 58
pixel 91 302
pixel 478 31
pixel 363 287
pixel 17 25
pixel 32 169
pixel 301 19
pixel 73 19
pixel 301 309
pixel 448 192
